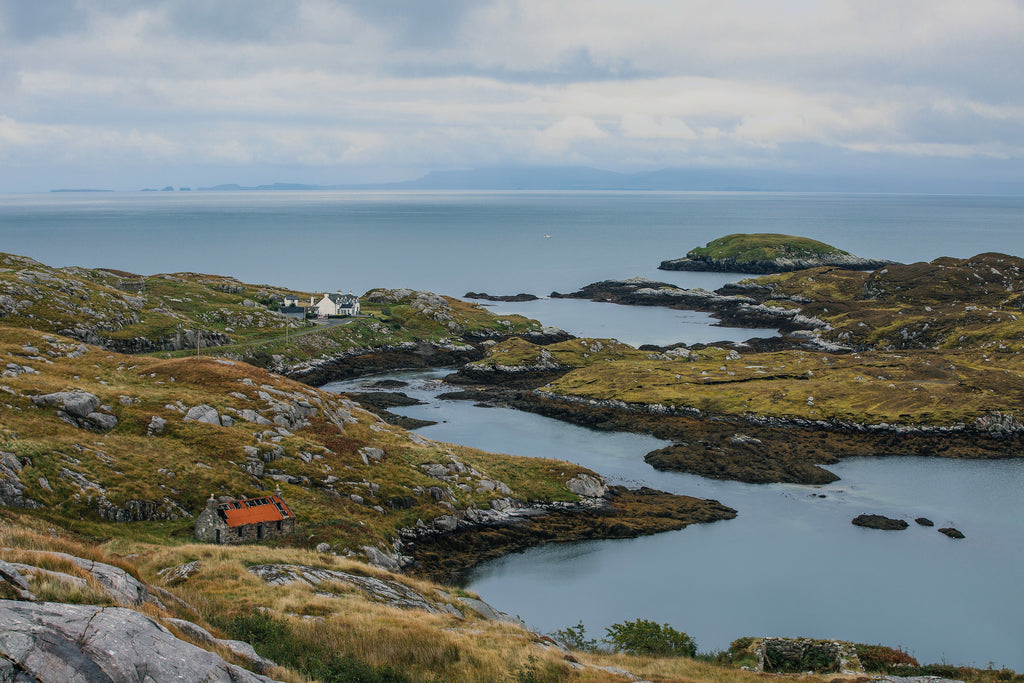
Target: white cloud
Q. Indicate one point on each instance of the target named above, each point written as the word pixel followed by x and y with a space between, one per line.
pixel 327 84
pixel 645 126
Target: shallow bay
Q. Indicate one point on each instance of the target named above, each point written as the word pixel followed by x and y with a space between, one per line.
pixel 790 564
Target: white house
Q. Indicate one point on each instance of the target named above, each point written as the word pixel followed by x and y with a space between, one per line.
pixel 291 300
pixel 338 304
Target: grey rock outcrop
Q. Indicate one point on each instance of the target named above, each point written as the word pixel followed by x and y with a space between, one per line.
pixel 389 592
pixel 370 454
pixel 76 403
pixel 12 490
pixel 11 575
pixel 203 413
pixel 87 643
pixel 116 582
pixel 239 648
pixel 78 408
pixel 156 425
pixel 587 485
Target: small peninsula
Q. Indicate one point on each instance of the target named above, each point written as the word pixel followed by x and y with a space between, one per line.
pixel 764 253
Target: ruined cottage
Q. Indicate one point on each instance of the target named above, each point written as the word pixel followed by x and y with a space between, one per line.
pixel 244 520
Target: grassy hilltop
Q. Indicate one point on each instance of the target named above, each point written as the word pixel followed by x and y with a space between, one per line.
pixel 766 253
pixel 763 247
pixel 136 314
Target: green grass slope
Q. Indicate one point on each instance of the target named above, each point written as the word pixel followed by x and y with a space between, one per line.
pixel 746 247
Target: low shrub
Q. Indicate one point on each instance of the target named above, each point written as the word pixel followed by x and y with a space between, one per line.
pixel 575 638
pixel 644 637
pixel 882 659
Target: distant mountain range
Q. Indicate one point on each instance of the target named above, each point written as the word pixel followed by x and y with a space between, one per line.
pixel 561 178
pixel 675 179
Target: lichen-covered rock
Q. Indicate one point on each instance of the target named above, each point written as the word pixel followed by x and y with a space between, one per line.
pixel 587 485
pixel 86 643
pixel 116 582
pixel 156 425
pixel 12 490
pixel 76 403
pixel 239 648
pixel 203 413
pixel 382 590
pixel 371 454
pixel 11 575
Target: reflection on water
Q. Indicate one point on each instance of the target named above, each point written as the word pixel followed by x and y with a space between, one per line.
pixel 790 564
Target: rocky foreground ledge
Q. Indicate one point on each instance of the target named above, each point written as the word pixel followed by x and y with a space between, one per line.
pixel 765 253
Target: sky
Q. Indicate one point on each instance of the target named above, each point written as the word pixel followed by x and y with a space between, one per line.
pixel 122 95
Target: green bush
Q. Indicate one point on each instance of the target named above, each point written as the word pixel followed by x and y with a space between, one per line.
pixel 575 638
pixel 644 637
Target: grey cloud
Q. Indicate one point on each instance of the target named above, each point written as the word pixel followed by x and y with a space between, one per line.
pixel 416 23
pixel 232 20
pixel 25 21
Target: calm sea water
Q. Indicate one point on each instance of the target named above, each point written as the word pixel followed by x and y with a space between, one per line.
pixel 790 564
pixel 455 242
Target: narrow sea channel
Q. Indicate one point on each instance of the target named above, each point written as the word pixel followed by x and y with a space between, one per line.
pixel 790 564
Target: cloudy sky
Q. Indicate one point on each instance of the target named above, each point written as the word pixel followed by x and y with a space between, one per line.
pixel 122 94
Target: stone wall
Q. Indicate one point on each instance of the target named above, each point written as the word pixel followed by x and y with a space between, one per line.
pixel 795 655
pixel 210 528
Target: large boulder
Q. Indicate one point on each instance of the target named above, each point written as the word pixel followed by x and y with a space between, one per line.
pixel 76 403
pixel 78 408
pixel 587 485
pixel 86 643
pixel 203 413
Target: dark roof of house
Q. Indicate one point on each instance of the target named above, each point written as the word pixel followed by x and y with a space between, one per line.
pixel 253 510
pixel 344 299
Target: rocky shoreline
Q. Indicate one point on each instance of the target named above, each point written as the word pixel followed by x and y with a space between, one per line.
pixel 406 356
pixel 749 448
pixel 770 266
pixel 446 552
pixel 732 305
pixel 508 297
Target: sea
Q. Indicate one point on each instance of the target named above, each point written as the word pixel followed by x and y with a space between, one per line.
pixel 791 563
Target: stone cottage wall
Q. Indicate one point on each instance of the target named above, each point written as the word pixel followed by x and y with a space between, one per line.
pixel 208 523
pixel 795 655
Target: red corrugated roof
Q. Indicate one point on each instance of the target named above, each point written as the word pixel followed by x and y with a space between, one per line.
pixel 254 510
